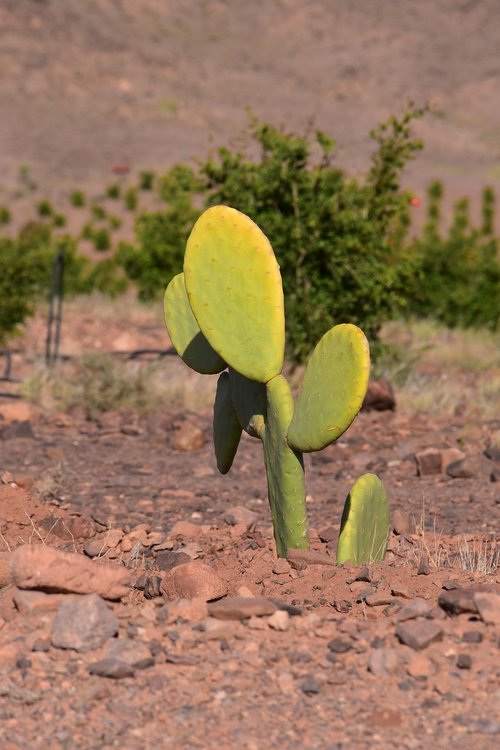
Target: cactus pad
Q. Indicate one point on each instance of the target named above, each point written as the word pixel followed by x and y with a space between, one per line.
pixel 227 429
pixel 234 288
pixel 333 389
pixel 285 471
pixel 249 402
pixel 365 522
pixel 185 335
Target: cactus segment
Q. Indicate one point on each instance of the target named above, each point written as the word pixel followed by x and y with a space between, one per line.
pixel 235 291
pixel 365 522
pixel 249 402
pixel 285 471
pixel 334 386
pixel 226 429
pixel 185 335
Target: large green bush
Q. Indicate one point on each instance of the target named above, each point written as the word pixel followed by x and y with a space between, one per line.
pixel 459 269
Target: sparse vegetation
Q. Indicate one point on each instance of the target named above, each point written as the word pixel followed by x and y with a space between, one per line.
pixel 131 199
pixel 77 199
pixel 5 216
pixel 44 208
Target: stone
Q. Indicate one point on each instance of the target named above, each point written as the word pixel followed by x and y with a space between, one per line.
pixel 488 606
pixel 186 529
pixel 83 623
pixel 113 668
pixel 241 515
pixel 329 534
pixel 419 634
pixel 383 661
pixel 459 601
pixel 378 599
pixel 420 666
pixel 280 620
pixel 187 437
pixel 16 411
pixel 450 456
pixel 416 608
pixel 300 558
pixel 241 608
pixel 339 646
pixel 379 396
pixel 94 547
pixel 29 601
pixel 18 431
pixel 402 522
pixel 428 462
pixel 193 580
pixel 5 569
pixel 67 529
pixel 35 566
pixel 467 468
pixel 310 686
pixel 132 652
pixel 168 559
pixel 281 567
pixel 464 661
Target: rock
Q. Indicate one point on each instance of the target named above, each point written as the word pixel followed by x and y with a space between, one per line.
pixel 468 468
pixel 379 396
pixel 310 686
pixel 67 529
pixel 329 534
pixel 472 636
pixel 458 601
pixel 339 646
pixel 83 624
pixel 112 538
pixel 94 547
pixel 450 456
pixel 18 430
pixel 193 580
pixel 402 522
pixel 241 515
pixel 300 558
pixel 492 450
pixel 186 529
pixel 5 569
pixel 132 652
pixel 110 667
pixel 383 661
pixel 464 661
pixel 241 608
pixel 280 620
pixel 378 599
pixel 401 590
pixel 419 634
pixel 187 437
pixel 28 601
pixel 416 608
pixel 168 559
pixel 39 567
pixel 420 666
pixel 428 462
pixel 424 568
pixel 281 567
pixel 16 411
pixel 488 606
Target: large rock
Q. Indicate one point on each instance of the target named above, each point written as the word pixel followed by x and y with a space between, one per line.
pixel 39 567
pixel 241 608
pixel 193 580
pixel 83 624
pixel 459 601
pixel 379 396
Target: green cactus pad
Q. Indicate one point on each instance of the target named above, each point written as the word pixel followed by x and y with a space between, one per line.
pixel 185 335
pixel 227 429
pixel 249 402
pixel 365 523
pixel 234 288
pixel 285 471
pixel 334 386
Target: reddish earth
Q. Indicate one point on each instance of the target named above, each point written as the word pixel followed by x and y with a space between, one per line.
pixel 327 659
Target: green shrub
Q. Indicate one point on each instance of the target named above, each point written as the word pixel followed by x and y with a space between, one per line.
pixel 98 212
pixel 113 191
pixel 146 180
pixel 44 208
pixel 101 239
pixel 114 222
pixel 59 220
pixel 459 279
pixel 5 216
pixel 17 288
pixel 77 199
pixel 87 232
pixel 131 200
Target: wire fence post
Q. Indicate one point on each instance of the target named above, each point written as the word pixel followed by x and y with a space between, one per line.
pixel 53 339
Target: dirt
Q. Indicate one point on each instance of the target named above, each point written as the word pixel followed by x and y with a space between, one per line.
pixel 328 669
pixel 89 87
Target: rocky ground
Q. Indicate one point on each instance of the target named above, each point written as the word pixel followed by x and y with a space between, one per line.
pixel 142 603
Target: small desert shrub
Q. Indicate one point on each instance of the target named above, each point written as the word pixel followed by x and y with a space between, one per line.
pixel 98 212
pixel 114 222
pixel 113 191
pixel 77 199
pixel 478 555
pixel 44 208
pixel 5 215
pixel 146 180
pixel 59 220
pixel 131 199
pixel 101 239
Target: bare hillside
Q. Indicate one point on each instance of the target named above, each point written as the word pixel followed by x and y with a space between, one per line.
pixel 86 85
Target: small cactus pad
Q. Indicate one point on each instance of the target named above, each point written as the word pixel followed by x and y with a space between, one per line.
pixel 249 402
pixel 234 288
pixel 185 335
pixel 334 386
pixel 285 472
pixel 365 523
pixel 227 429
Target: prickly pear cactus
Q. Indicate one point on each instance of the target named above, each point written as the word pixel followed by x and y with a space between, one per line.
pixel 227 311
pixel 365 522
